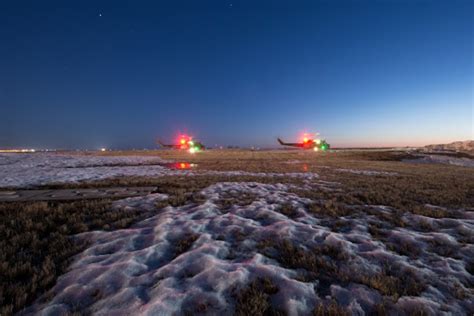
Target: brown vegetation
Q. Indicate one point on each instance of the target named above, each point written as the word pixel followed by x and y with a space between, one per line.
pixel 254 299
pixel 325 264
pixel 331 309
pixel 36 243
pixel 229 199
pixel 289 210
pixel 184 244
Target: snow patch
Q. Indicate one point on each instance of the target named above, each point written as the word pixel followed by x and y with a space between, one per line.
pixel 292 162
pixel 139 271
pixel 368 172
pixel 29 170
pixel 440 159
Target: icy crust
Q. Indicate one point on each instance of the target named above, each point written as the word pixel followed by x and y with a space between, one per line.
pixel 73 161
pixel 146 203
pixel 145 270
pixel 440 159
pixel 29 170
pixel 368 172
pixel 26 170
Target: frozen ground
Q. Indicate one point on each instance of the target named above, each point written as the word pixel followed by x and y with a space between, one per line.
pixel 195 258
pixel 367 172
pixel 440 159
pixel 26 170
pixel 29 170
pixel 199 257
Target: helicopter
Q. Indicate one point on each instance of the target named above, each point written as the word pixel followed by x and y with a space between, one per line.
pixel 315 144
pixel 185 142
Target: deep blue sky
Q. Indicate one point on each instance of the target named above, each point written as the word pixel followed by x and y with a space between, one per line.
pixel 121 73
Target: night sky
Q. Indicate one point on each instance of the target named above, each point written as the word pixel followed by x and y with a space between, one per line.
pixel 88 74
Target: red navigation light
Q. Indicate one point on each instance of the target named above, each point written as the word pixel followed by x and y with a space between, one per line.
pixel 183 140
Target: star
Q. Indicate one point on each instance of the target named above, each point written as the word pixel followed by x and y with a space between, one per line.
pixel 100 14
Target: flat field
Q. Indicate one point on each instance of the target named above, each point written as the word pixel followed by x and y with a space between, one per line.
pixel 238 232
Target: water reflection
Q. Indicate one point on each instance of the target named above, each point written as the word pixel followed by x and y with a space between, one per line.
pixel 181 165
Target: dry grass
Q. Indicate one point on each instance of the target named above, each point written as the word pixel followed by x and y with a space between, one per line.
pixel 443 249
pixel 325 264
pixel 316 263
pixel 229 199
pixel 289 210
pixel 36 245
pixel 435 212
pixel 274 160
pixel 414 185
pixel 331 309
pixel 254 299
pixel 394 282
pixel 184 244
pixel 35 237
pixel 330 207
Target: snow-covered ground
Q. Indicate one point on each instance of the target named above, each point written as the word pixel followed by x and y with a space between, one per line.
pixel 138 271
pixel 367 172
pixel 26 170
pixel 441 159
pixel 29 170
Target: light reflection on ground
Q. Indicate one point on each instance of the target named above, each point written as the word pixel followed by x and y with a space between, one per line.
pixel 181 165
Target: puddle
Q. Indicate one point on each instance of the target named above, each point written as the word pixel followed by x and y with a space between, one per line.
pixel 180 165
